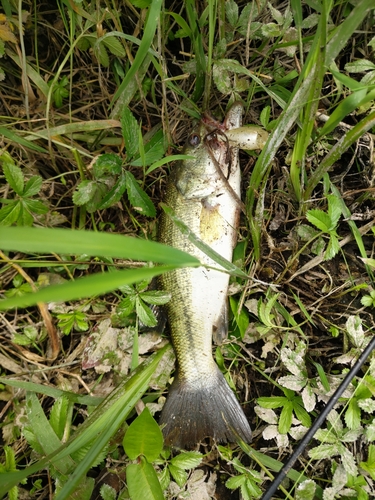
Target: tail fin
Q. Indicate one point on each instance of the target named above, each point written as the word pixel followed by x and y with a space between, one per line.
pixel 208 408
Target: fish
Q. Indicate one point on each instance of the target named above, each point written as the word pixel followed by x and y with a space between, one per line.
pixel 204 193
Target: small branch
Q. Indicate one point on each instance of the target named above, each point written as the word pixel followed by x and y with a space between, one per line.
pixel 51 330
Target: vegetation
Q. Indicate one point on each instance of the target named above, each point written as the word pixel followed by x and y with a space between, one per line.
pixel 97 98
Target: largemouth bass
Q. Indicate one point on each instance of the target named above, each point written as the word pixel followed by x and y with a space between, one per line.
pixel 204 193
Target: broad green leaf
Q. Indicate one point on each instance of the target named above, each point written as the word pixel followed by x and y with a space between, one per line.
pixel 10 459
pixel 143 437
pixel 14 176
pixel 231 10
pixel 44 433
pixel 187 460
pixel 334 209
pixel 250 12
pixel 222 79
pixel 113 45
pixel 369 465
pixel 114 195
pixel 35 206
pixel 164 478
pixel 353 415
pixel 333 246
pixel 142 482
pixel 126 306
pixel 348 461
pixel 241 318
pixel 286 416
pixel 21 339
pixel 367 301
pixel 32 186
pixel 101 54
pixel 144 313
pixel 25 218
pixel 323 451
pixel 251 489
pixel 292 382
pixel 156 297
pixel 272 402
pixel 265 116
pixel 359 66
pixel 130 128
pixel 10 213
pixel 107 165
pixel 235 482
pixel 308 398
pixel 301 414
pixel 355 331
pixel 185 29
pixel 85 192
pixel 178 474
pixel 319 219
pixel 152 155
pixel 306 490
pixel 107 492
pixel 294 360
pixel 137 197
pixel 32 439
pixel 59 415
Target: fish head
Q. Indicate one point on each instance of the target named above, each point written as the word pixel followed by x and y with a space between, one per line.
pixel 199 176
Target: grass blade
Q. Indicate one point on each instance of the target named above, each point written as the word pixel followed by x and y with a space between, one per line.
pixel 314 65
pixel 346 29
pixel 147 39
pixel 17 139
pixel 89 286
pixel 52 392
pixel 25 239
pixel 198 50
pixel 226 264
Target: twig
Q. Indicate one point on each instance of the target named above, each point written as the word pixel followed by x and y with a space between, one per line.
pixel 51 330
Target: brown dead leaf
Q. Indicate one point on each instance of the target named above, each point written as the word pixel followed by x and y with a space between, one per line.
pixel 6 34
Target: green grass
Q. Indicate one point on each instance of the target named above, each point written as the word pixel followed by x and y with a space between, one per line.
pixel 97 101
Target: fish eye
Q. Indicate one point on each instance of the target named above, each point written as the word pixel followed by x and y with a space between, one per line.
pixel 194 140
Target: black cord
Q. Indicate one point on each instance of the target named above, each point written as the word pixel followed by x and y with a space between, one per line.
pixel 319 421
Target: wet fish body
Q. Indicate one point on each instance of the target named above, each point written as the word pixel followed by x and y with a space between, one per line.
pixel 204 193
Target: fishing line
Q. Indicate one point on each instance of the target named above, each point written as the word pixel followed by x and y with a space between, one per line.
pixel 319 421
